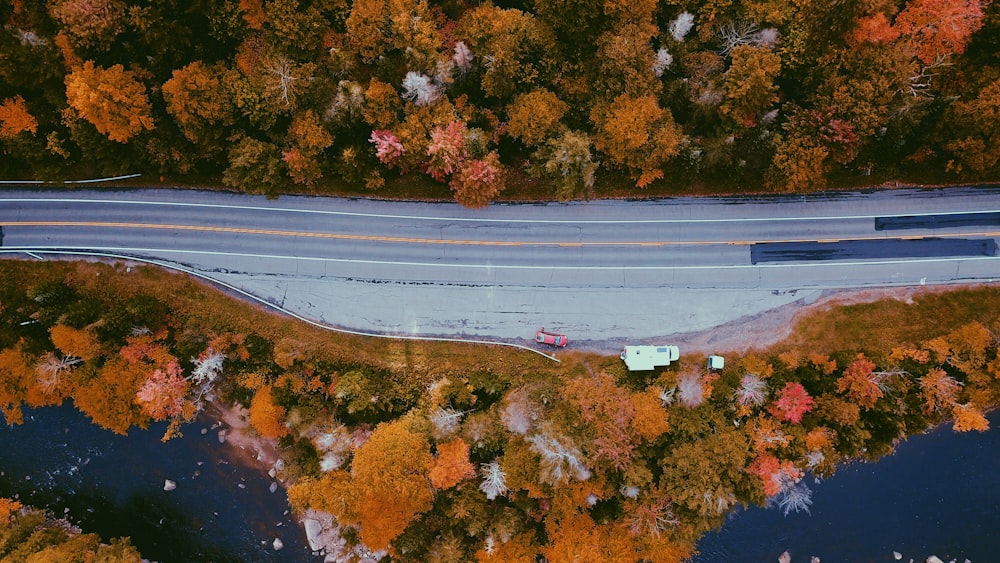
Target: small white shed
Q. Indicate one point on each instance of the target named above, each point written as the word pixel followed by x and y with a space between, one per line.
pixel 716 362
pixel 645 358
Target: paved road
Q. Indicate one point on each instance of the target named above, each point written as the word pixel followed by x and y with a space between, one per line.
pixel 418 267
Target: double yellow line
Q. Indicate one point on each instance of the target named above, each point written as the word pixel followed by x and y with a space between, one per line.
pixel 413 240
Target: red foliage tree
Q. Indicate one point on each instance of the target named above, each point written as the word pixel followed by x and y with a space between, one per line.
pixel 446 152
pixel 162 394
pixel 875 29
pixel 939 28
pixel 792 402
pixel 774 472
pixel 477 182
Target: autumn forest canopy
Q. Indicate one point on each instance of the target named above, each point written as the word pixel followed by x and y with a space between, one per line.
pixel 318 95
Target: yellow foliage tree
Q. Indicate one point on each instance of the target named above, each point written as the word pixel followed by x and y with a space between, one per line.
pixel 382 104
pixel 535 116
pixel 16 374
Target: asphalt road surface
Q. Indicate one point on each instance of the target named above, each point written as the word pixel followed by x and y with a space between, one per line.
pixel 438 268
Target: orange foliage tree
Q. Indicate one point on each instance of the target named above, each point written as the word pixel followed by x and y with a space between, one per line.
pixel 7 508
pixel 111 99
pixel 195 98
pixel 636 133
pixel 968 417
pixel 861 383
pixel 52 381
pixel 109 398
pixel 388 484
pixel 939 390
pixel 14 118
pixel 81 343
pixel 451 465
pixel 90 22
pixel 267 417
pixel 309 138
pixel 977 131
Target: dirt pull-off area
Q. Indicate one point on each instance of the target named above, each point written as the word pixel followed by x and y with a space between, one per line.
pixel 769 327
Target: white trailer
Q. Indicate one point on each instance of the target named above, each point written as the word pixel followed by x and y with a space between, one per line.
pixel 645 358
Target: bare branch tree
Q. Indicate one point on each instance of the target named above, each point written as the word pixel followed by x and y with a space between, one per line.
pixel 736 33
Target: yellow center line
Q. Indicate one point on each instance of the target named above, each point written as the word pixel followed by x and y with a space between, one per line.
pixel 412 240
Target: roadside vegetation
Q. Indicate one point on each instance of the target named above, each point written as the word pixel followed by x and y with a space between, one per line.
pixel 433 451
pixel 28 534
pixel 538 99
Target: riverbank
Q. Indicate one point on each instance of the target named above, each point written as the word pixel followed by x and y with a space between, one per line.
pixel 938 494
pixel 222 508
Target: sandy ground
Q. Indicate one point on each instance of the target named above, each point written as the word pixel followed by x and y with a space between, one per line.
pixel 250 448
pixel 698 320
pixel 770 327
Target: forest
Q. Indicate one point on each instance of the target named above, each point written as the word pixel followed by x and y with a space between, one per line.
pixel 473 100
pixel 416 451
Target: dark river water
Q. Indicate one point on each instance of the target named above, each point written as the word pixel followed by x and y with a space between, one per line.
pixel 112 485
pixel 938 494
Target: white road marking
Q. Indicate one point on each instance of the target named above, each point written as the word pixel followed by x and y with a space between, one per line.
pixel 25 249
pixel 491 220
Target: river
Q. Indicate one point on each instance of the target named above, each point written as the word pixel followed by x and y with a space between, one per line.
pixel 221 511
pixel 938 494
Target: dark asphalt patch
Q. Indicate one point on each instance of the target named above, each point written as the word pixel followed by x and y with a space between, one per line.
pixel 871 249
pixel 989 219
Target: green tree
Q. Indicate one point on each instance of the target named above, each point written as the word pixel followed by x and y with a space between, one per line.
pixel 974 131
pixel 749 84
pixel 567 162
pixel 255 166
